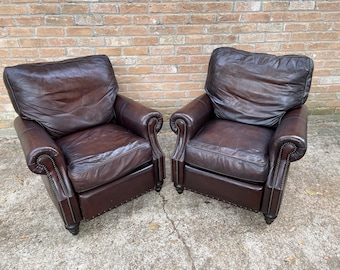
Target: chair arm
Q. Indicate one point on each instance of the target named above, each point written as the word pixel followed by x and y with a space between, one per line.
pixel 137 117
pixel 288 144
pixel 290 138
pixel 186 122
pixel 35 142
pixel 44 157
pixel 192 116
pixel 146 123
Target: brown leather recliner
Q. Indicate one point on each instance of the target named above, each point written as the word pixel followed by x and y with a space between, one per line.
pixel 235 142
pixel 94 148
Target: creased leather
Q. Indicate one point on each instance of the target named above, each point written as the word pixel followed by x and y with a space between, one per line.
pixel 231 149
pixel 102 154
pixel 257 88
pixel 66 96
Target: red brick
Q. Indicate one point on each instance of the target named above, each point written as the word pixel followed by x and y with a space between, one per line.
pixel 305 5
pixel 275 5
pixel 79 31
pixel 243 28
pixel 162 50
pixel 229 17
pixel 62 42
pixel 308 36
pixel 20 31
pixel 203 18
pixel 52 52
pixel 174 59
pixel 33 42
pixel 134 30
pixel 271 37
pixel 165 69
pixel 146 41
pixel 134 8
pixel 256 17
pixel 107 31
pixel 189 29
pixel 197 39
pixel 327 5
pixel 149 60
pixel 320 26
pixel 296 27
pixel 162 30
pixel 59 20
pixel 74 9
pixel 13 10
pixel 175 18
pixel 309 16
pixel 117 19
pixel 135 51
pixel 43 9
pixel 248 6
pixel 251 38
pixel 30 20
pixel 191 7
pixel 283 16
pixel 104 8
pixel 24 52
pixel 219 7
pixel 91 41
pixel 190 68
pixel 188 50
pixel 145 19
pixel 293 46
pixel 76 52
pixel 50 31
pixel 162 8
pixel 109 51
pixel 140 70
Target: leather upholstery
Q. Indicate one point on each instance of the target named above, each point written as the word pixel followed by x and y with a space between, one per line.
pixel 94 148
pixel 92 154
pixel 81 90
pixel 257 88
pixel 242 157
pixel 235 143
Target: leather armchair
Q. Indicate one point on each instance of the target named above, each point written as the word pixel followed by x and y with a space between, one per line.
pixel 94 149
pixel 235 143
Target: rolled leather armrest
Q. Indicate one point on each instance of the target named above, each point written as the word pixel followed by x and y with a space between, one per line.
pixel 137 117
pixel 193 115
pixel 291 132
pixel 35 142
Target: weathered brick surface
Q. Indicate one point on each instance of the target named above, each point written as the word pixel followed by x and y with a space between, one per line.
pixel 160 49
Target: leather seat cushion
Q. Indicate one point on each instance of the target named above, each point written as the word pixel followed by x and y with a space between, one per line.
pixel 257 88
pixel 102 154
pixel 231 149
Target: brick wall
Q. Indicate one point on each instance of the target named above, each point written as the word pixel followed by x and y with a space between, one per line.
pixel 160 49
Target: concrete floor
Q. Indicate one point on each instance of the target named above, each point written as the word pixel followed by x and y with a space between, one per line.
pixel 170 231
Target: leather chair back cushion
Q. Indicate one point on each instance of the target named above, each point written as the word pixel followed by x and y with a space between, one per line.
pixel 64 96
pixel 257 88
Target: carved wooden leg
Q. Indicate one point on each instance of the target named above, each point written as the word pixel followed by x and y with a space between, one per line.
pixel 74 228
pixel 179 188
pixel 159 185
pixel 269 218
